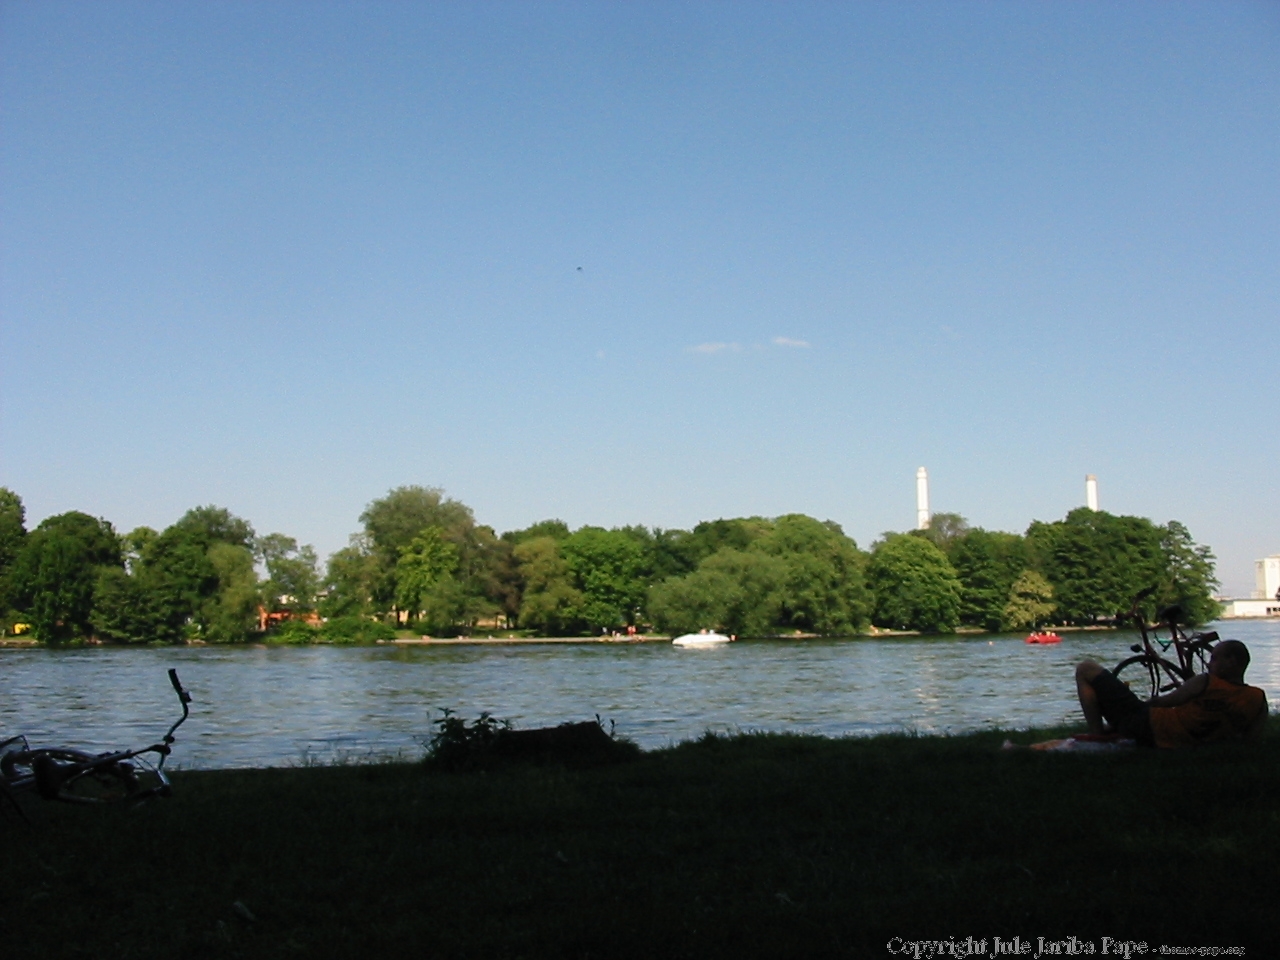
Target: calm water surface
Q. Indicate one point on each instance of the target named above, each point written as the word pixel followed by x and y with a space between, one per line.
pixel 271 706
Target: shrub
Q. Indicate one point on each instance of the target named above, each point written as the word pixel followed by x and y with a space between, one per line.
pixel 292 631
pixel 487 741
pixel 457 744
pixel 356 630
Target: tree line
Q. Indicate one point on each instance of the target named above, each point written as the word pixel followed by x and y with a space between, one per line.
pixel 420 560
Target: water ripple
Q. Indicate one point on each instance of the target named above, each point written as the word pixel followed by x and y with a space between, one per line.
pixel 272 706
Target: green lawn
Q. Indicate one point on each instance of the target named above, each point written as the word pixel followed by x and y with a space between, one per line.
pixel 773 846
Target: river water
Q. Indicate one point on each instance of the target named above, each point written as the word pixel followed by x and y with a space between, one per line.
pixel 273 706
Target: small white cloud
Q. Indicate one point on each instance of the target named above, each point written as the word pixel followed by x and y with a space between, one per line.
pixel 599 353
pixel 715 347
pixel 788 342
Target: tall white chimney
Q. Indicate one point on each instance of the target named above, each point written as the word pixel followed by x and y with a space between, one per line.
pixel 1091 492
pixel 922 499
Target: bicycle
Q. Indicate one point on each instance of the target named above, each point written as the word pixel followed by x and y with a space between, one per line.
pixel 74 776
pixel 1151 671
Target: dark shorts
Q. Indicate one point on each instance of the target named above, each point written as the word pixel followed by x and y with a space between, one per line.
pixel 1122 708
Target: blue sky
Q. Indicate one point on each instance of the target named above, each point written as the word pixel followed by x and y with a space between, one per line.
pixel 643 263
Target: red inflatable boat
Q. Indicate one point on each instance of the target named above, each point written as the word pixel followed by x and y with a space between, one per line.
pixel 1050 637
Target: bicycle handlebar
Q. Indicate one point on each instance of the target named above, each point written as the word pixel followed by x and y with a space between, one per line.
pixel 184 698
pixel 177 685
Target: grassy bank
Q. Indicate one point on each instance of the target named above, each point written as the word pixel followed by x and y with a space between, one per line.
pixel 753 846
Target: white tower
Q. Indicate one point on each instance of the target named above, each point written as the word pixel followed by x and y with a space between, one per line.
pixel 922 499
pixel 1091 492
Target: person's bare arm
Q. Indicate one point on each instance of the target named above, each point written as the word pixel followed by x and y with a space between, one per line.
pixel 1188 691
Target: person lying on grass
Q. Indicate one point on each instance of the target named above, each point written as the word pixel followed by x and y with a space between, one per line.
pixel 1214 706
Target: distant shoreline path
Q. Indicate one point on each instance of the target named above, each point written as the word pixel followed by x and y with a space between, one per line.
pixel 459 641
pixel 660 638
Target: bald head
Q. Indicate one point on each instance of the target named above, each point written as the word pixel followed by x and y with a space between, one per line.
pixel 1229 660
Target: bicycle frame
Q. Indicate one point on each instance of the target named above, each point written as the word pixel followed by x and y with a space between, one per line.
pixel 1190 650
pixel 1163 674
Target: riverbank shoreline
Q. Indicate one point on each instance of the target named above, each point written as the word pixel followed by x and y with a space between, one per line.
pixel 964 633
pixel 754 845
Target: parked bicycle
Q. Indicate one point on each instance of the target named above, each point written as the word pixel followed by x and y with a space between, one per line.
pixel 1154 670
pixel 74 776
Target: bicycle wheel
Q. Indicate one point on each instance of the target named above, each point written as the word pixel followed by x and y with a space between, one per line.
pixel 76 777
pixel 1148 676
pixel 1137 673
pixel 11 751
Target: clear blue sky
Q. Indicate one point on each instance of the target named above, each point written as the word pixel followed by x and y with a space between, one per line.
pixel 282 257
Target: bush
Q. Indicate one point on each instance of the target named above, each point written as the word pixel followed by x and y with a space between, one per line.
pixel 458 745
pixel 488 741
pixel 356 630
pixel 292 631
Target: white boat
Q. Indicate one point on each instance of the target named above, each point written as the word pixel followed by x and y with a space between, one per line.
pixel 706 638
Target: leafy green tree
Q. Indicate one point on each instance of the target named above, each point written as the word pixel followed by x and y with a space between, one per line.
pixel 507 583
pixel 1096 561
pixel 424 564
pixel 479 587
pixel 231 613
pixel 13 533
pixel 765 576
pixel 914 585
pixel 1189 579
pixel 549 601
pixel 392 522
pixel 123 608
pixel 674 553
pixel 735 591
pixel 606 567
pixel 499 579
pixel 987 564
pixel 126 607
pixel 711 536
pixel 134 545
pixel 175 572
pixel 1030 602
pixel 210 524
pixel 351 579
pixel 13 530
pixel 711 597
pixel 450 607
pixel 824 586
pixel 56 571
pixel 293 577
pixel 663 554
pixel 483 564
pixel 555 529
pixel 944 530
pixel 195 579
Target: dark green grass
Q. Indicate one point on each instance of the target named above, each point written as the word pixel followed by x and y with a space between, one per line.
pixel 751 846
